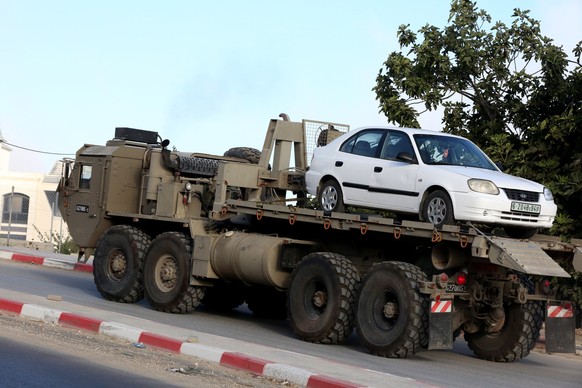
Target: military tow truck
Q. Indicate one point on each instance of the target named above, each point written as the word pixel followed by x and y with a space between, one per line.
pixel 184 229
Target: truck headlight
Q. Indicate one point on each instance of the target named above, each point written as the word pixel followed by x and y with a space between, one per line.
pixel 548 194
pixel 483 186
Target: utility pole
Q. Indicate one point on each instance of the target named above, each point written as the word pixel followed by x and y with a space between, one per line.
pixel 10 217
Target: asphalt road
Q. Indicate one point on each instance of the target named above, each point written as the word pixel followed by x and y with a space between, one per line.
pixel 240 331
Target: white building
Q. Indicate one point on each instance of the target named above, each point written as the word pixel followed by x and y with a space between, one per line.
pixel 29 209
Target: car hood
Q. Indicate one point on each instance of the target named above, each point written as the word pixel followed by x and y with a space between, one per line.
pixel 501 179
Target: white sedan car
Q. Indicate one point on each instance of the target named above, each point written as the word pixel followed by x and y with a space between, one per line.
pixel 440 177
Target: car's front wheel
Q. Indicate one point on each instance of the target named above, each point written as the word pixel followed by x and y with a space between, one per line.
pixel 437 209
pixel 330 197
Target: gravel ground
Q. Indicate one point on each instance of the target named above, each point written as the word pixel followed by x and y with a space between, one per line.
pixel 168 368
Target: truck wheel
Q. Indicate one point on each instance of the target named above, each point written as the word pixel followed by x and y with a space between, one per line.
pixel 437 209
pixel 251 154
pixel 517 337
pixel 320 298
pixel 167 274
pixel 391 313
pixel 267 303
pixel 329 197
pixel 118 263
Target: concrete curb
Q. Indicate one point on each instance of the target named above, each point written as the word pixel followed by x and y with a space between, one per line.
pixel 45 261
pixel 223 357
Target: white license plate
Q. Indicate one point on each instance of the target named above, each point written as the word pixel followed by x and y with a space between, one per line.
pixel 450 287
pixel 526 207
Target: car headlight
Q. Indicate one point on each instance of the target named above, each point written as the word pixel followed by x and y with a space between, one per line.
pixel 548 194
pixel 483 186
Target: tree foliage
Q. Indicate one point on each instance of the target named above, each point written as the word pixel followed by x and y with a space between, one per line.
pixel 508 88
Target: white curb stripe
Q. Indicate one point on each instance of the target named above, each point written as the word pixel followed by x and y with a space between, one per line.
pixel 119 330
pixel 201 351
pixel 41 313
pixel 286 372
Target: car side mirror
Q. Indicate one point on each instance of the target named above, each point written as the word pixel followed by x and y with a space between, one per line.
pixel 500 166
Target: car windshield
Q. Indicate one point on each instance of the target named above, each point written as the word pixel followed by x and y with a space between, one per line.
pixel 435 149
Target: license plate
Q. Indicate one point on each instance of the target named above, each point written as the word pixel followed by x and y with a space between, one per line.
pixel 454 288
pixel 526 207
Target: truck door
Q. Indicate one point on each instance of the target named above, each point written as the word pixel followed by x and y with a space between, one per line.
pixel 83 203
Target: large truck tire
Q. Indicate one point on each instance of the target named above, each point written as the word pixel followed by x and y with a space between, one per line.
pixel 251 154
pixel 167 273
pixel 517 337
pixel 321 296
pixel 118 263
pixel 391 313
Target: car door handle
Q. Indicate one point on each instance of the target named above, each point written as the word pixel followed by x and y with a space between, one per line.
pixel 339 163
pixel 377 169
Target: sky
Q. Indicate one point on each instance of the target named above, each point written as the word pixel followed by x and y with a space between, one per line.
pixel 207 75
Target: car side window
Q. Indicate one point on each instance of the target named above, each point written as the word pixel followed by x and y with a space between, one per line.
pixel 396 145
pixel 365 143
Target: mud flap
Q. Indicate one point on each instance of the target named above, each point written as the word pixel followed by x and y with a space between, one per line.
pixel 440 328
pixel 560 328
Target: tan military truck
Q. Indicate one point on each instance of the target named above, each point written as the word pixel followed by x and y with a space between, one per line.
pixel 184 229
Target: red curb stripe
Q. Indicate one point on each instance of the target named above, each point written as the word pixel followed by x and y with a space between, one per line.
pixel 27 259
pixel 13 307
pixel 83 267
pixel 80 322
pixel 159 341
pixel 317 381
pixel 240 361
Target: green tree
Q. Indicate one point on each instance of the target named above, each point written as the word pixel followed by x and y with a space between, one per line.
pixel 508 88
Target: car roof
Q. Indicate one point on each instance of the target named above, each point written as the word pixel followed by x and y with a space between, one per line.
pixel 412 131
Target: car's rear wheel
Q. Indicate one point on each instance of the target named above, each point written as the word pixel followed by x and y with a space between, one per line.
pixel 438 209
pixel 330 197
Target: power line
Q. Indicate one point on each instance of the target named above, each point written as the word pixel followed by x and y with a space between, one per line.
pixel 37 151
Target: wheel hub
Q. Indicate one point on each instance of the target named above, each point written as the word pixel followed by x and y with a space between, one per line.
pixel 436 211
pixel 320 298
pixel 328 198
pixel 167 273
pixel 390 310
pixel 118 264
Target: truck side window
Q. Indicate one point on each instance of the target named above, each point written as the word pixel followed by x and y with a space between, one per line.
pixel 85 178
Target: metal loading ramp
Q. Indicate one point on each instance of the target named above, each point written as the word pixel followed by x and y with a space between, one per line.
pixel 523 256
